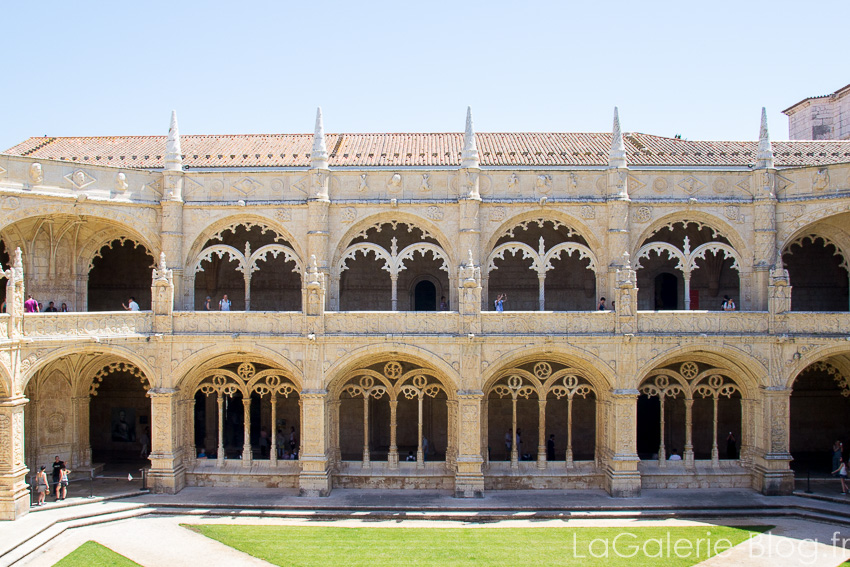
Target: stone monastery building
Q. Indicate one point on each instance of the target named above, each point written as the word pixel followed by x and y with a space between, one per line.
pixel 364 271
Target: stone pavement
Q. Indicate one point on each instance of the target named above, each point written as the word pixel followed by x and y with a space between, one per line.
pixel 146 527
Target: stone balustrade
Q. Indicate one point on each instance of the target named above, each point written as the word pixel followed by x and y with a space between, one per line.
pixel 725 322
pixel 547 322
pixel 96 324
pixel 295 323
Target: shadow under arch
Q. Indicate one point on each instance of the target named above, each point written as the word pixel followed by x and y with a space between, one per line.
pixel 138 231
pixel 393 217
pixel 594 369
pixel 575 223
pixel 103 351
pixel 809 357
pixel 714 222
pixel 339 372
pixel 191 371
pixel 200 239
pixel 743 364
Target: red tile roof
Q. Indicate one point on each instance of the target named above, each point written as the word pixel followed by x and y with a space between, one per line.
pixel 534 149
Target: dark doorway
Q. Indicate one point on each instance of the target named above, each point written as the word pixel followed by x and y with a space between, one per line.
pixel 123 270
pixel 425 296
pixel 666 292
pixel 648 426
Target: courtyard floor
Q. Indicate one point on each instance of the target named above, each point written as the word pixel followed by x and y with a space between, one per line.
pixel 146 527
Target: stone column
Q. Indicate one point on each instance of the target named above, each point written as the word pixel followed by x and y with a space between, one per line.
pixel 764 235
pixel 392 457
pixel 81 454
pixel 469 477
pixel 773 459
pixel 541 433
pixel 622 475
pixel 247 452
pixel 14 495
pixel 167 473
pixel 619 244
pixel 315 479
pixel 688 455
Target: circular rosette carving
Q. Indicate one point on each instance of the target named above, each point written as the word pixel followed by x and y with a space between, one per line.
pixel 246 371
pixel 392 370
pixel 366 382
pixel 409 392
pixel 420 381
pixel 431 390
pixel 56 422
pixel 515 382
pixel 689 370
pixel 542 370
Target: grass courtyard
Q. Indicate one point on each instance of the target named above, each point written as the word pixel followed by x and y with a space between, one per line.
pixel 633 546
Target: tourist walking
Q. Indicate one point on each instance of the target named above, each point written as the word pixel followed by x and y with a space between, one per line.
pixel 224 304
pixel 63 481
pixel 841 471
pixel 57 467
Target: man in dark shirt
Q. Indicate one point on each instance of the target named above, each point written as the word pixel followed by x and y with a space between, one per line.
pixel 51 308
pixel 57 466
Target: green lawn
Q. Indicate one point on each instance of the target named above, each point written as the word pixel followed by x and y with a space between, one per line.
pixel 92 554
pixel 635 547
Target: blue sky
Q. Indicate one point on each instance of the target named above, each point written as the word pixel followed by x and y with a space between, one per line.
pixel 703 70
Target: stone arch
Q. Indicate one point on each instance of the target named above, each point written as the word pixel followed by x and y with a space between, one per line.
pixel 817 258
pixel 372 354
pixel 230 221
pixel 808 356
pixel 190 370
pixel 548 214
pixel 101 351
pixel 599 374
pixel 399 217
pixel 713 222
pixel 745 365
pixel 788 231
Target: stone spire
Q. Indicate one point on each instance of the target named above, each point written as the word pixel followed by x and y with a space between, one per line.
pixel 469 157
pixel 617 155
pixel 319 156
pixel 173 154
pixel 764 156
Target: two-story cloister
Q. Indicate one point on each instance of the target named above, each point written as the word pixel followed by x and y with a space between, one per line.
pixel 425 311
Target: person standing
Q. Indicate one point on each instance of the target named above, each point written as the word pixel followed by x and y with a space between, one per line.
pixel 131 305
pixel 841 471
pixel 64 308
pixel 63 481
pixel 500 302
pixel 444 305
pixel 30 305
pixel 837 455
pixel 51 308
pixel 731 447
pixel 508 444
pixel 601 306
pixel 293 440
pixel 224 304
pixel 207 301
pixel 145 440
pixel 57 467
pixel 41 485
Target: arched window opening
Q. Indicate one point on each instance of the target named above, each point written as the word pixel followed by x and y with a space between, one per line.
pixel 542 264
pixel 818 273
pixel 121 269
pixel 708 265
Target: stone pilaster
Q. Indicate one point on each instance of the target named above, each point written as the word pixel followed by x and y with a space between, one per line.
pixel 469 224
pixel 627 291
pixel 315 479
pixel 14 494
pixel 15 295
pixel 469 475
pixel 618 228
pixel 772 460
pixel 81 447
pixel 622 475
pixel 168 473
pixel 162 296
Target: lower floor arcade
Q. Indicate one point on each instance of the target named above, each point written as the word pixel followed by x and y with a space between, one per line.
pixel 395 420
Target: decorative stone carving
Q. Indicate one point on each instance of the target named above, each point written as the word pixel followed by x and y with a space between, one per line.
pixel 425 184
pixel 513 181
pixel 283 215
pixel 434 213
pixel 820 180
pixel 691 185
pixel 395 182
pixel 36 174
pixel 246 186
pixel 573 182
pixel 587 212
pixel 543 183
pixel 121 184
pixel 11 203
pixel 349 214
pixel 497 214
pixel 469 292
pixel 720 185
pixel 732 212
pixel 643 214
pixel 660 185
pixel 315 288
pixel 364 183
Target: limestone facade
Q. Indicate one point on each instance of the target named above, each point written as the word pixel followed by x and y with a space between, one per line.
pixel 821 117
pixel 363 315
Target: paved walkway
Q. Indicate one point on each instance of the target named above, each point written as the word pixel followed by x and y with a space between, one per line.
pixel 153 540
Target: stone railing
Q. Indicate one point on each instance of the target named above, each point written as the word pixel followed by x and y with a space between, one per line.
pixel 736 323
pixel 394 322
pixel 259 322
pixel 813 322
pixel 97 324
pixel 547 322
pixel 294 323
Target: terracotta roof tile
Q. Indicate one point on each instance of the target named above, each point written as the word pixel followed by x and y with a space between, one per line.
pixel 520 149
